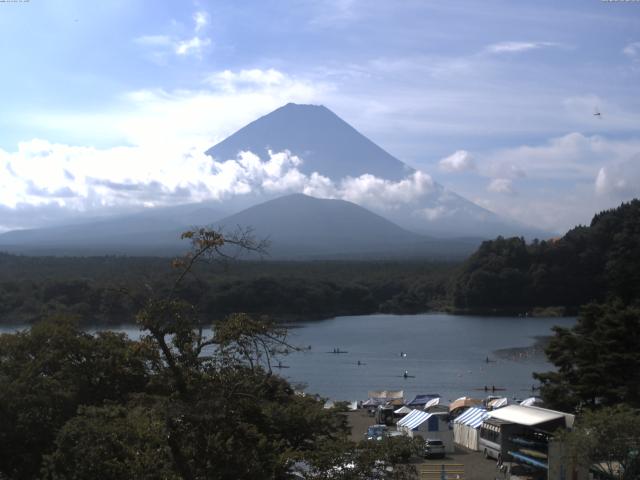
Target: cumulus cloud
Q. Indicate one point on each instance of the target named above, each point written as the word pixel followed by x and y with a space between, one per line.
pixel 501 185
pixel 459 161
pixel 517 47
pixel 620 180
pixel 85 179
pixel 385 194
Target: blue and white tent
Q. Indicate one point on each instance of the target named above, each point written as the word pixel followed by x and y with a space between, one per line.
pixel 413 420
pixel 428 426
pixel 466 427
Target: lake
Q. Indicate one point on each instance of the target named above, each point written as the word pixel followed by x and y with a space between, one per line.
pixel 445 354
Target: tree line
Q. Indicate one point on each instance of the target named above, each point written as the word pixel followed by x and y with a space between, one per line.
pixel 592 263
pixel 107 290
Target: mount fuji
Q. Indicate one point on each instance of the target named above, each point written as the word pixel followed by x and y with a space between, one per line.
pixel 316 154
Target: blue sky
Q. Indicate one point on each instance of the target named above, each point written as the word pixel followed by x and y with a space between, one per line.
pixel 494 100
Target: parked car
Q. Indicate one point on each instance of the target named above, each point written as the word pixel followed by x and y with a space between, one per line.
pixel 433 448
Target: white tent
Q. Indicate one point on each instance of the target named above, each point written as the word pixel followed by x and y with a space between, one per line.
pixel 466 427
pixel 428 426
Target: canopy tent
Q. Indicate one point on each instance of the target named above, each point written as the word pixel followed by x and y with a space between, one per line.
pixel 464 402
pixel 466 427
pixel 402 411
pixel 421 400
pixel 429 426
pixel 531 416
pixel 413 419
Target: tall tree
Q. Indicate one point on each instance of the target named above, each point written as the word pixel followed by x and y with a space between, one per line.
pixel 597 361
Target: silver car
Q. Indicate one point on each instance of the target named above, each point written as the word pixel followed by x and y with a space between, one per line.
pixel 433 448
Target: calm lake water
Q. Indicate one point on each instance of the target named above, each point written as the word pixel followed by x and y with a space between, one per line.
pixel 445 354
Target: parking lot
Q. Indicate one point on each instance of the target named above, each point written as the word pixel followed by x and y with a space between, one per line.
pixel 475 466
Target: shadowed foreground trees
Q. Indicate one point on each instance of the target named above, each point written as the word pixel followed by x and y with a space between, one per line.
pixel 175 404
pixel 608 440
pixel 597 361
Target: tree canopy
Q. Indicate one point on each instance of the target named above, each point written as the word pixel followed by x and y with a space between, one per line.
pixel 174 404
pixel 595 263
pixel 597 361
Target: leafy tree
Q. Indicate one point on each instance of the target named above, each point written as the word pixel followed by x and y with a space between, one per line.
pixel 47 372
pixel 597 361
pixel 608 440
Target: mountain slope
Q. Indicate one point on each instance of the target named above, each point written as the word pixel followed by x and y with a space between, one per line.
pixel 301 226
pixel 334 149
pixel 327 143
pixel 150 232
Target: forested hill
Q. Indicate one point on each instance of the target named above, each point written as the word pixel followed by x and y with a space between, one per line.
pixel 594 263
pixel 109 290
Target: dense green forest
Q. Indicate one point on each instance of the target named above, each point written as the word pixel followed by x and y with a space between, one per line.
pixel 109 290
pixel 594 263
pixel 505 275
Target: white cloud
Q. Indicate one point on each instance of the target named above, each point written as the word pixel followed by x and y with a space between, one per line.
pixel 233 81
pixel 201 20
pixel 189 118
pixel 384 194
pixel 619 180
pixel 517 47
pixel 162 46
pixel 501 185
pixel 193 46
pixel 572 156
pixel 632 50
pixel 459 161
pixel 84 179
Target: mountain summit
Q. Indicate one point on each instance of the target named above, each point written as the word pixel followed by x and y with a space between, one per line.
pixel 327 144
pixel 365 173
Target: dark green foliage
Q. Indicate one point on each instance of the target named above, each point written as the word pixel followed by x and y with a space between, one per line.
pixel 175 404
pixel 588 264
pixel 33 288
pixel 46 373
pixel 608 440
pixel 597 361
pixel 111 443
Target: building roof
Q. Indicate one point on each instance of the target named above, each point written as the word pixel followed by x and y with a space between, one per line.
pixel 414 419
pixel 530 416
pixel 472 417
